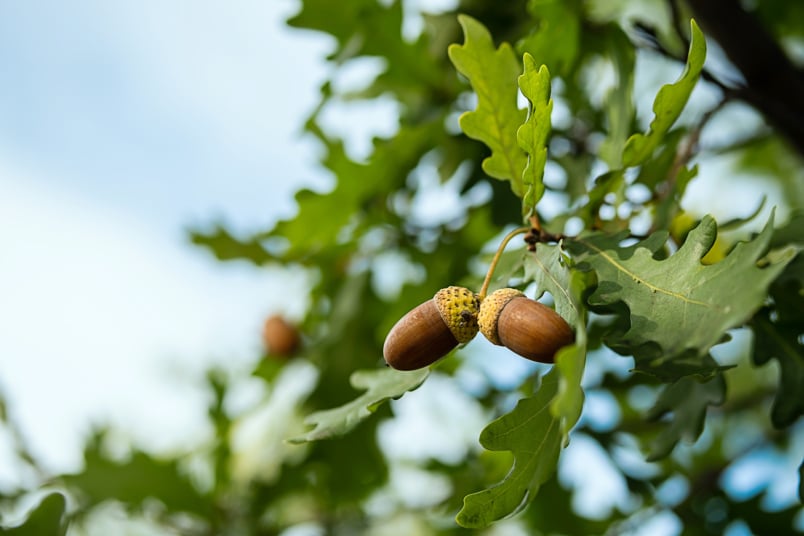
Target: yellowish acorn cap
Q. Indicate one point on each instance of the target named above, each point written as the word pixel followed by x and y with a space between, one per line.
pixel 490 311
pixel 458 307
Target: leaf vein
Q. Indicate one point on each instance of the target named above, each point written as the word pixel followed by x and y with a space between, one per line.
pixel 648 284
pixel 557 283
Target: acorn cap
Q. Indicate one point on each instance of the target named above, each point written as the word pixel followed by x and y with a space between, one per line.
pixel 459 308
pixel 490 311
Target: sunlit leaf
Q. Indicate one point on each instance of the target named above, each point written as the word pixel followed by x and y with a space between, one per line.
pixel 532 135
pixel 533 435
pixel 380 385
pixel 669 103
pixel 493 74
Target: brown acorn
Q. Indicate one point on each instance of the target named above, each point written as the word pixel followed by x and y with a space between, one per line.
pixel 280 337
pixel 431 330
pixel 524 326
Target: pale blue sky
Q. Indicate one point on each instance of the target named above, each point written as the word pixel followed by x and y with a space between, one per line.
pixel 121 124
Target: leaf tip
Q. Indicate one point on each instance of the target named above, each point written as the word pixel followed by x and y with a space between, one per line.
pixel 472 26
pixel 697 39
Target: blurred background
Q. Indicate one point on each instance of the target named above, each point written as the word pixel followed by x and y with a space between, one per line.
pixel 125 125
pixel 121 126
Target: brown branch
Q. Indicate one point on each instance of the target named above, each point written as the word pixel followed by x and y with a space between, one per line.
pixel 773 85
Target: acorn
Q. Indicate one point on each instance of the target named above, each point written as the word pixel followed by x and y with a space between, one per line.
pixel 280 337
pixel 524 326
pixel 431 330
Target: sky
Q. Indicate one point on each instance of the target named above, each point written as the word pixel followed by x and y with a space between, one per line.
pixel 121 125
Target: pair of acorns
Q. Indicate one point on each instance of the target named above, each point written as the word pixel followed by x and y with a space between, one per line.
pixel 455 314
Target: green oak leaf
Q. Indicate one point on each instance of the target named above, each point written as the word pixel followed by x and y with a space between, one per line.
pixel 45 519
pixel 550 269
pixel 533 435
pixel 380 385
pixel 492 72
pixel 532 135
pixel 687 400
pixel 670 100
pixel 678 307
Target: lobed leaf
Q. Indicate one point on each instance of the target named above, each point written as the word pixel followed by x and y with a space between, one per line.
pixel 533 434
pixel 670 101
pixel 492 72
pixel 380 385
pixel 532 135
pixel 678 307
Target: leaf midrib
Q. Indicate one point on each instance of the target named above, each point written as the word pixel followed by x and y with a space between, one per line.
pixel 648 284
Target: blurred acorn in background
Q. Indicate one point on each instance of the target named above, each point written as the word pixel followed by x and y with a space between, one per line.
pixel 280 337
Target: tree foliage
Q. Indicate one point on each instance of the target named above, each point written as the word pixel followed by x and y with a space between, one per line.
pixel 527 113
